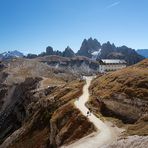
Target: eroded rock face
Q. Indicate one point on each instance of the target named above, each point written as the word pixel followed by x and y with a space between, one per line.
pixel 14 111
pixel 68 125
pixel 51 120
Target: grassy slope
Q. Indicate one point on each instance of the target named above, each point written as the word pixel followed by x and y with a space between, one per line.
pixel 125 94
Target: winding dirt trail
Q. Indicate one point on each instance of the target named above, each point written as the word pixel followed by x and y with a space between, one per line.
pixel 105 134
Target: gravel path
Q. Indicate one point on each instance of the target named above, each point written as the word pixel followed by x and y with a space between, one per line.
pixel 105 134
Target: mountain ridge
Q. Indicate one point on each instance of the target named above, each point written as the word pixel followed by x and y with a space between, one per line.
pixel 108 51
pixel 90 48
pixel 11 54
pixel 93 49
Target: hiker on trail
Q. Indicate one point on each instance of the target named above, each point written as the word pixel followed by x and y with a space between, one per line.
pixel 90 110
pixel 87 113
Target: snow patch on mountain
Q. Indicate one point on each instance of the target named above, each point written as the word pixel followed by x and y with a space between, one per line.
pixel 11 54
pixel 95 54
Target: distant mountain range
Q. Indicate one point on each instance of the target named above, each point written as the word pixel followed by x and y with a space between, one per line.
pixel 90 48
pixel 10 55
pixel 143 52
pixel 93 49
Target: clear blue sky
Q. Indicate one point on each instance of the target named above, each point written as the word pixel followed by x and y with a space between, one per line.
pixel 32 25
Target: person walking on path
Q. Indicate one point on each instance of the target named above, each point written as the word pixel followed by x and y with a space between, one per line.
pixel 88 113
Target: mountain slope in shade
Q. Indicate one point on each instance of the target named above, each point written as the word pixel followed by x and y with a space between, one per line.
pixel 11 54
pixel 143 52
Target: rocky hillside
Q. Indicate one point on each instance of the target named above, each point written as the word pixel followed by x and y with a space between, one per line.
pixel 19 69
pixel 92 47
pixel 123 95
pixel 36 106
pixel 77 65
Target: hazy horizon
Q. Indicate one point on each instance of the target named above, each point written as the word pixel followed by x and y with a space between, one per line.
pixel 31 25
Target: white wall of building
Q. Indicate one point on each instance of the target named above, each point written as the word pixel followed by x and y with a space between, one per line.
pixel 111 67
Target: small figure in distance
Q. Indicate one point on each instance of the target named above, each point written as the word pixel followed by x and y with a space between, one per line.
pixel 87 113
pixel 90 110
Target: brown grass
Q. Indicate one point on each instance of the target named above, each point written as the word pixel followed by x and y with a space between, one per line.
pixel 125 94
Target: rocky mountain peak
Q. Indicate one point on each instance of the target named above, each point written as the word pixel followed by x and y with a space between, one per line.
pixel 68 52
pixel 49 50
pixel 89 46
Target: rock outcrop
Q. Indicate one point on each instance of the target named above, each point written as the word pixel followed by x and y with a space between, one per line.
pixel 13 111
pixel 89 46
pixel 68 52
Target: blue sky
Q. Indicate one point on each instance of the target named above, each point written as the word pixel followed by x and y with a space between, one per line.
pixel 31 25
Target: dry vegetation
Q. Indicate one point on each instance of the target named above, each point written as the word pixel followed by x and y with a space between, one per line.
pixel 19 69
pixel 40 111
pixel 123 95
